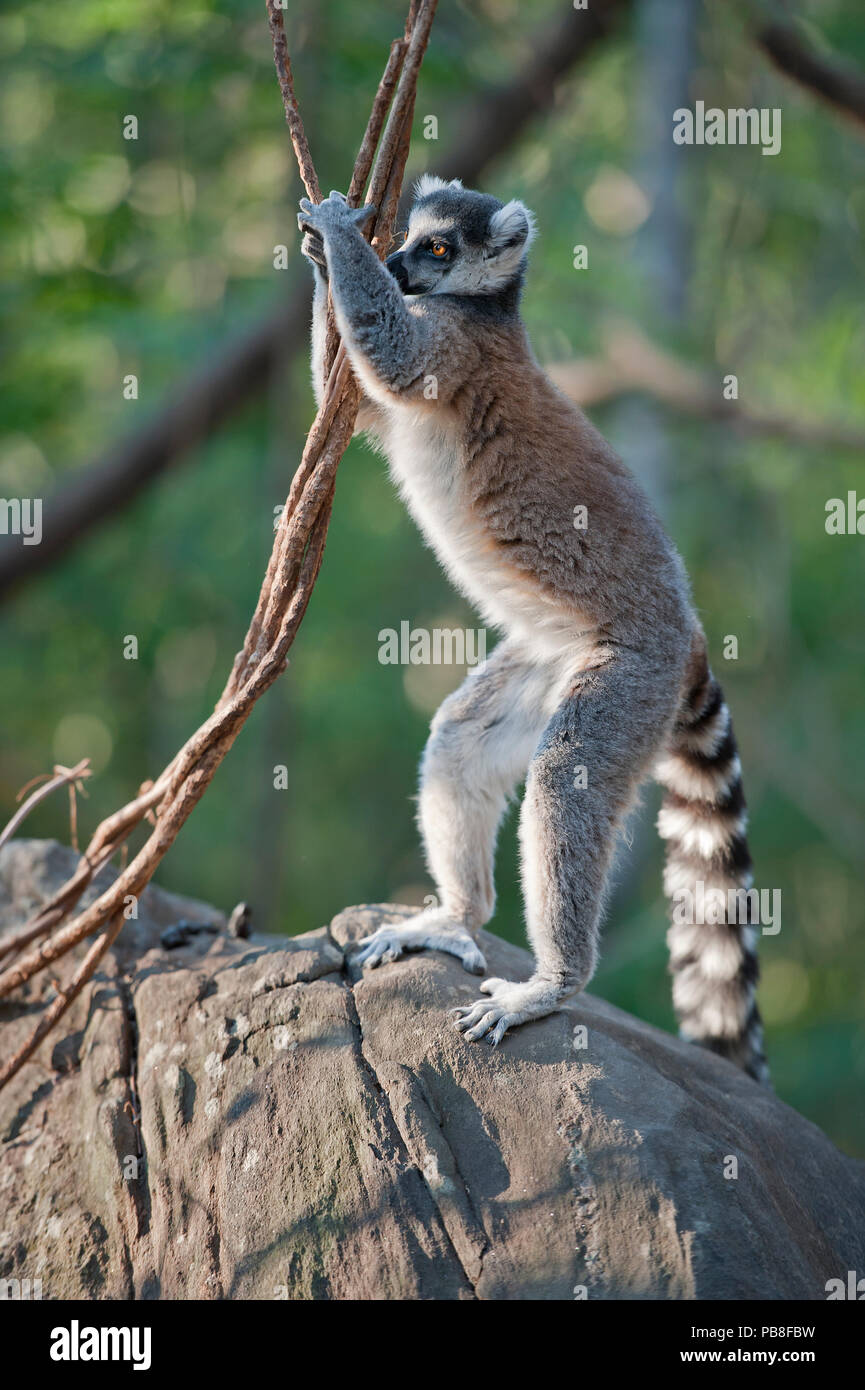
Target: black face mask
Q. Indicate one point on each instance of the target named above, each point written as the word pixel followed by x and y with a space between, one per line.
pixel 396 266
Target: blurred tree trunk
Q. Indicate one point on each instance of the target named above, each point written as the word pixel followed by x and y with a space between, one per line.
pixel 665 34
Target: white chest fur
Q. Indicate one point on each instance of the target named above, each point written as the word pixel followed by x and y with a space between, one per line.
pixel 426 464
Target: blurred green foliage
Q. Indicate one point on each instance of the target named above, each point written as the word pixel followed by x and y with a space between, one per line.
pixel 145 256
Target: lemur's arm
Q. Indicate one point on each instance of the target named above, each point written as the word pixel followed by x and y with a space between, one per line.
pixel 312 248
pixel 391 345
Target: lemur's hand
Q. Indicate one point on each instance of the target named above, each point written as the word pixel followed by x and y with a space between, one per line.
pixel 312 247
pixel 316 219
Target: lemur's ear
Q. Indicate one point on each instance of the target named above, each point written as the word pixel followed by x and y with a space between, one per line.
pixel 511 232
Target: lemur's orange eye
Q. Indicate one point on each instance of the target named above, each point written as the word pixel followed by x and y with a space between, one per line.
pixel 439 249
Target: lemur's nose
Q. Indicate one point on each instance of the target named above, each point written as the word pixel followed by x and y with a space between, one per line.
pixel 396 266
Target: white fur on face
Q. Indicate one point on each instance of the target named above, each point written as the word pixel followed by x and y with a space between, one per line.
pixel 423 224
pixel 481 269
pixel 488 268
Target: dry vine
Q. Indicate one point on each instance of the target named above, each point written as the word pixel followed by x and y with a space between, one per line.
pixel 291 573
pixel 71 777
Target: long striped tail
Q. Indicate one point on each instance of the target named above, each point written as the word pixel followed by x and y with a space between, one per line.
pixel 713 939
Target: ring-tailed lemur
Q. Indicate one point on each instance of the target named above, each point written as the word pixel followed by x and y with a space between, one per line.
pixel 601 678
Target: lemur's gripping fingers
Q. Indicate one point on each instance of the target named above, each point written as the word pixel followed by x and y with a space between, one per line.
pixel 333 211
pixel 426 932
pixel 510 1005
pixel 312 247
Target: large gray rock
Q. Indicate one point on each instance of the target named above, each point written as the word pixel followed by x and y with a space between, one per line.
pixel 304 1133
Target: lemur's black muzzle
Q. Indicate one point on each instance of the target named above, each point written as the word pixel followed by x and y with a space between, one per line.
pixel 396 266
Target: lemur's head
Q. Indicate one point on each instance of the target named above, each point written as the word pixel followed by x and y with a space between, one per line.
pixel 461 242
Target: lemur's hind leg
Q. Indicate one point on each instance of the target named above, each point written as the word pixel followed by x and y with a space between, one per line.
pixel 596 750
pixel 480 744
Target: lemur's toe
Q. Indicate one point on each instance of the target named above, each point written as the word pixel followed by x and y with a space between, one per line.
pixel 484 1019
pixel 471 1014
pixel 490 986
pixel 501 1028
pixel 483 1026
pixel 381 946
pixel 473 959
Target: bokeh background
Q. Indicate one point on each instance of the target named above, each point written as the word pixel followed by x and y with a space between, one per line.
pixel 155 257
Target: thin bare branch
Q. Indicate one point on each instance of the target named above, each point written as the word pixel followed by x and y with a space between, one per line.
pixel 380 108
pixel 64 1000
pixel 632 363
pixel 835 81
pixel 63 776
pixel 294 566
pixel 289 101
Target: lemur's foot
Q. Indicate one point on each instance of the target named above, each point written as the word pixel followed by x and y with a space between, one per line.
pixel 429 931
pixel 511 1004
